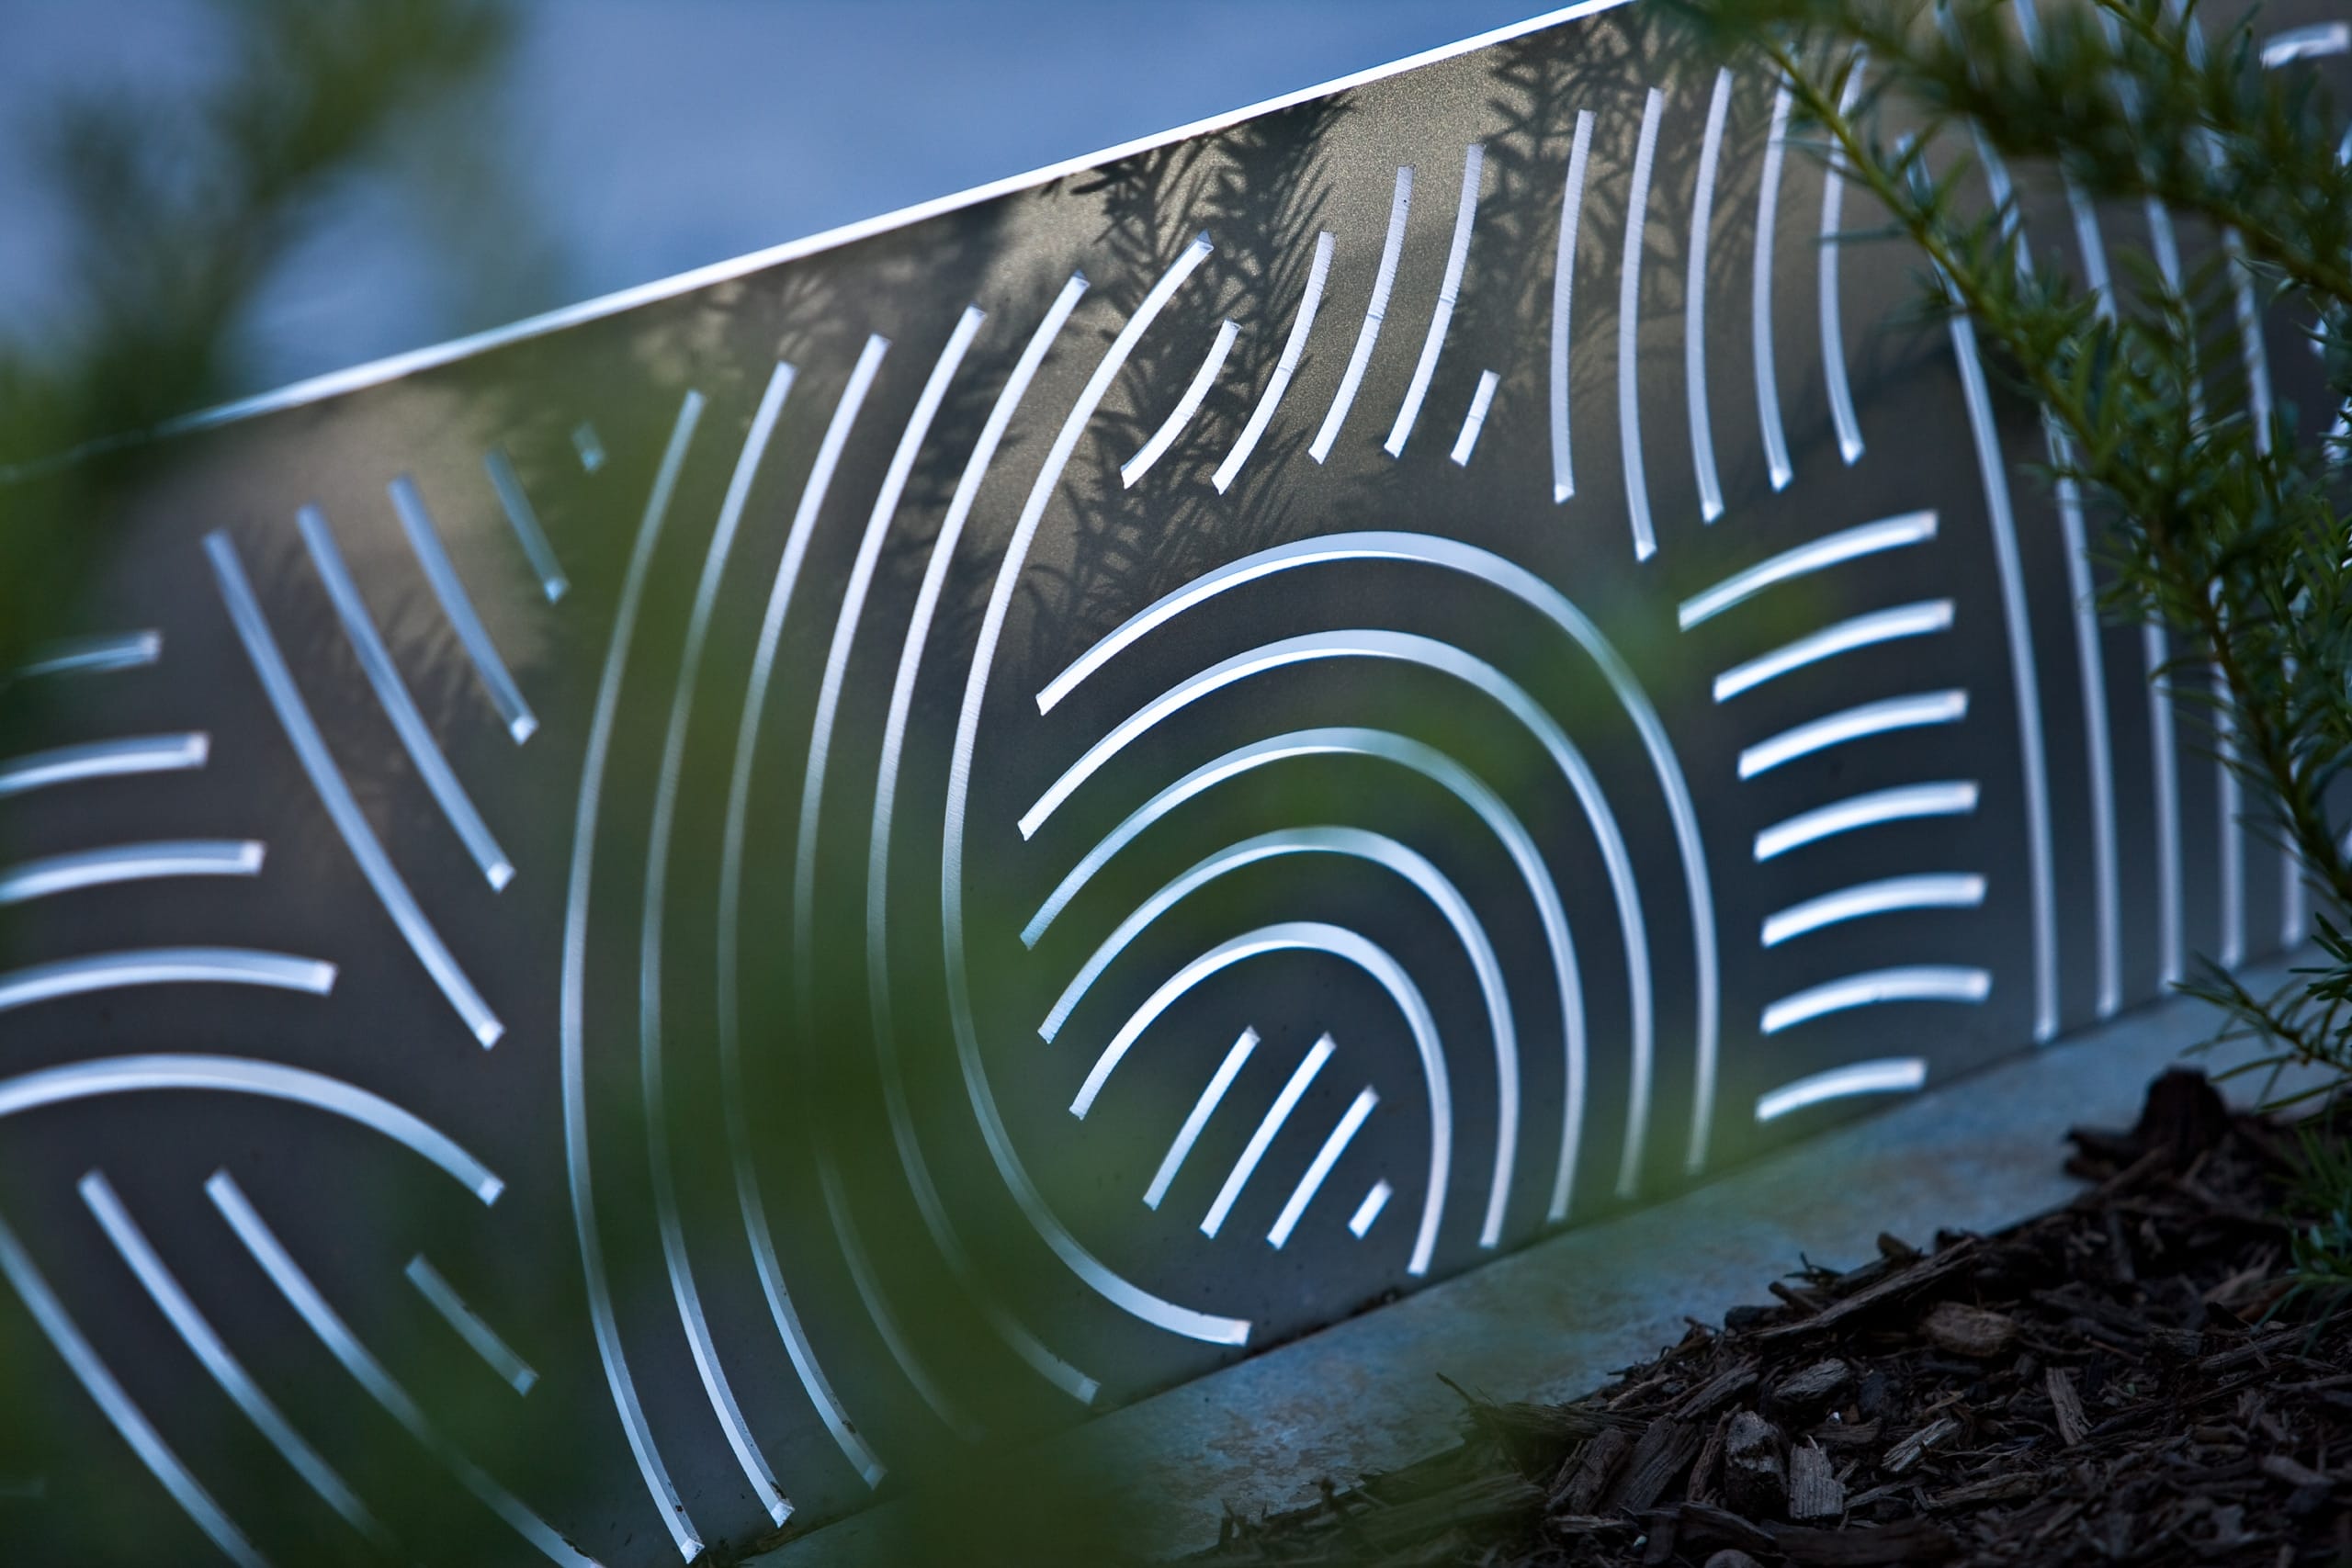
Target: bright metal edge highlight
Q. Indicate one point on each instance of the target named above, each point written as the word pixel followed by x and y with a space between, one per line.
pixel 749 1204
pixel 1554 606
pixel 1767 214
pixel 523 518
pixel 1892 1075
pixel 1830 549
pixel 1928 616
pixel 478 1334
pixel 334 792
pixel 571 1002
pixel 392 694
pixel 1564 279
pixel 677 1263
pixel 1457 780
pixel 2316 41
pixel 1694 300
pixel 1374 849
pixel 2090 660
pixel 1026 1345
pixel 1938 890
pixel 93 655
pixel 103 760
pixel 304 1295
pixel 2024 677
pixel 2155 650
pixel 1091 1270
pixel 391 367
pixel 458 604
pixel 228 1373
pixel 1629 306
pixel 1951 798
pixel 1904 983
pixel 1476 419
pixel 1317 1172
pixel 1211 1095
pixel 863 1274
pixel 164 966
pixel 240 1074
pixel 1294 351
pixel 1855 723
pixel 124 1416
pixel 1268 1127
pixel 2230 805
pixel 70 873
pixel 1457 257
pixel 1833 326
pixel 1392 247
pixel 1196 391
pixel 1375 962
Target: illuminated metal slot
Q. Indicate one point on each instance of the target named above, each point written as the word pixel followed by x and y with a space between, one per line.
pixel 1564 279
pixel 1853 724
pixel 523 518
pixel 1908 983
pixel 1212 1095
pixel 1476 419
pixel 93 655
pixel 1830 549
pixel 1892 1075
pixel 104 760
pixel 129 862
pixel 1269 1125
pixel 1368 334
pixel 1934 891
pixel 1695 303
pixel 1862 631
pixel 1629 322
pixel 1955 798
pixel 1294 351
pixel 1195 392
pixel 424 539
pixel 1319 1169
pixel 1457 256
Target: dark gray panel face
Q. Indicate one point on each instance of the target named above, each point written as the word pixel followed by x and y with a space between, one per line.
pixel 659 922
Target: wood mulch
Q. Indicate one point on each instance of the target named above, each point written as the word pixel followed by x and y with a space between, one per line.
pixel 2114 1383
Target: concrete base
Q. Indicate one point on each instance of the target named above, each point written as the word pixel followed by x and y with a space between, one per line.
pixel 1560 1317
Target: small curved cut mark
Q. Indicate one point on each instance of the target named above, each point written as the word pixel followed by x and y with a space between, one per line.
pixel 1892 1075
pixel 1921 619
pixel 1629 323
pixel 1320 1169
pixel 1369 1210
pixel 124 1416
pixel 129 862
pixel 1269 1126
pixel 1294 351
pixel 1768 214
pixel 1196 391
pixel 240 1074
pixel 1391 248
pixel 523 518
pixel 1694 304
pixel 227 1372
pixel 1833 327
pixel 571 1006
pixel 1476 419
pixel 1905 983
pixel 1830 549
pixel 1955 798
pixel 93 655
pixel 1457 257
pixel 1853 724
pixel 588 444
pixel 164 966
pixel 2318 40
pixel 480 1338
pixel 1212 1095
pixel 334 794
pixel 392 694
pixel 1952 890
pixel 104 760
pixel 1564 281
pixel 1024 1343
pixel 304 1295
pixel 458 604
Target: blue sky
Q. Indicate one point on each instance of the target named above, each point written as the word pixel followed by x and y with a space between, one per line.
pixel 639 138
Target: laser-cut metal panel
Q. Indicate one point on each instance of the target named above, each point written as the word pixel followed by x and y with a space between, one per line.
pixel 659 920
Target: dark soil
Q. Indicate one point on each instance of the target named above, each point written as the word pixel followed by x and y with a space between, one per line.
pixel 2124 1380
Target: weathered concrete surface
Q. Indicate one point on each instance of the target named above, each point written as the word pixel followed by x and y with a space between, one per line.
pixel 1559 1317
